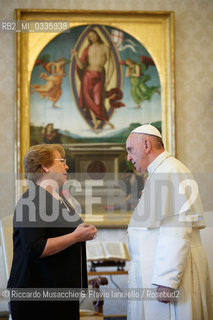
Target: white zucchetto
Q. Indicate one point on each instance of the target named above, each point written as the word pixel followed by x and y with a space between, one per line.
pixel 147 129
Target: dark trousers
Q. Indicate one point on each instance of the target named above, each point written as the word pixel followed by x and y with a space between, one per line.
pixel 44 310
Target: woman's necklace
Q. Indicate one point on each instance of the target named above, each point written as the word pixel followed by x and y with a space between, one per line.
pixel 62 201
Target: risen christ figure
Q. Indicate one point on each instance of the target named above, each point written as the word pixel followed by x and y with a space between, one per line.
pixel 94 78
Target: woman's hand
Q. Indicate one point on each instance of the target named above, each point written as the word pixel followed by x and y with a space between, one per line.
pixel 84 232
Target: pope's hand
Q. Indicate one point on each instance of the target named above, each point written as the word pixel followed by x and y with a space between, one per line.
pixel 164 294
pixel 85 232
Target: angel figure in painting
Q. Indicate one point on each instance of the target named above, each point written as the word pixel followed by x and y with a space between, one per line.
pixel 140 91
pixel 52 88
pixel 91 69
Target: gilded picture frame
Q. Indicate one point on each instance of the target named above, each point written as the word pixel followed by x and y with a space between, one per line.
pixel 153 30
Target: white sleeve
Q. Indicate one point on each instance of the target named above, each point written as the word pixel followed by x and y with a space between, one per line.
pixel 171 255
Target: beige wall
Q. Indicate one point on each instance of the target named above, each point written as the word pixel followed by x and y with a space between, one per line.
pixel 194 83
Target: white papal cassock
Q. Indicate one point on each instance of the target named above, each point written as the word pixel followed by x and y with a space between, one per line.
pixel 165 245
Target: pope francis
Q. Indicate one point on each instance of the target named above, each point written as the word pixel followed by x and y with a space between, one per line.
pixel 167 257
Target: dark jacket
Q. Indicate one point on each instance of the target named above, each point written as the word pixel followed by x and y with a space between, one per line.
pixel 39 216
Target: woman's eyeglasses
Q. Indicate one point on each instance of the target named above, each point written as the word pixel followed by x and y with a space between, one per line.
pixel 62 160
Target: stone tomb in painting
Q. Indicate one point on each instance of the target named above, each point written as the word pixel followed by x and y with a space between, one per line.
pixel 97 167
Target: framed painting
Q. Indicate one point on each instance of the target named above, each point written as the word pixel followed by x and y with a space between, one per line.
pixel 86 79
